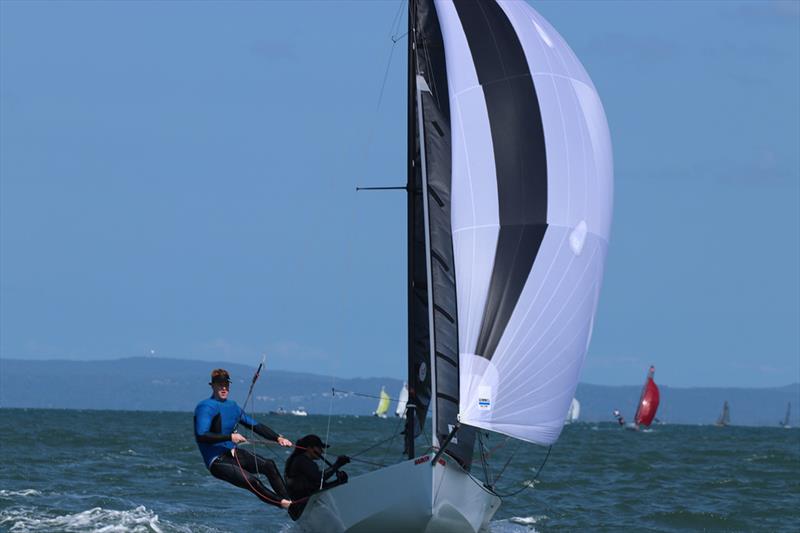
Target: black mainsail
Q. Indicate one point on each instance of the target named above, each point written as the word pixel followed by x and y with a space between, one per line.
pixel 433 315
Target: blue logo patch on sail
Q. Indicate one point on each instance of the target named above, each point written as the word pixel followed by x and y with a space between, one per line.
pixel 484 397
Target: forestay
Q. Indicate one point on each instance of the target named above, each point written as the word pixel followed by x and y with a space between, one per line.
pixel 530 212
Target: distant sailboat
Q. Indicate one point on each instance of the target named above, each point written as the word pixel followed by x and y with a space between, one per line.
pixel 648 401
pixel 724 417
pixel 383 404
pixel 574 411
pixel 785 422
pixel 300 411
pixel 402 401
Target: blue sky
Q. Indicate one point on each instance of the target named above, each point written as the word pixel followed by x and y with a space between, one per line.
pixel 179 177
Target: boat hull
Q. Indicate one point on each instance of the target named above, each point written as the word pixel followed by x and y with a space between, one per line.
pixel 411 496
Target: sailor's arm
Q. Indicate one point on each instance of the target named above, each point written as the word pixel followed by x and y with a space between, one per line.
pixel 263 430
pixel 340 462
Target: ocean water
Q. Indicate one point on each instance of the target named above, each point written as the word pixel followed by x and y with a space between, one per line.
pixel 140 471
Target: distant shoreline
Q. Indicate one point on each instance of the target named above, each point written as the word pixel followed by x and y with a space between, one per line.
pixel 145 384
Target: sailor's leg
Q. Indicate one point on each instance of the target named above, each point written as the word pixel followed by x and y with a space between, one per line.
pixel 256 464
pixel 227 469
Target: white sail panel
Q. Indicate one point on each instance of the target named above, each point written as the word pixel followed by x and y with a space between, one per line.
pixel 528 275
pixel 577 136
pixel 474 207
pixel 532 377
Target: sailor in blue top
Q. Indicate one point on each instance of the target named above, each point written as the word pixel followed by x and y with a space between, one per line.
pixel 215 422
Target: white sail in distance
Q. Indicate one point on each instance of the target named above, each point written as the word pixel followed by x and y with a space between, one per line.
pixel 574 411
pixel 402 400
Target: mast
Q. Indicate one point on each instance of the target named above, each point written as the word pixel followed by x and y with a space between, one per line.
pixel 411 191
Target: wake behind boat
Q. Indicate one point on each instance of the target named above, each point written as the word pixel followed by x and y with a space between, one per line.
pixel 509 196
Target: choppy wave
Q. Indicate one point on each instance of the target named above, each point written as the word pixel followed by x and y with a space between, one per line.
pixel 105 474
pixel 96 520
pixel 4 493
pixel 517 524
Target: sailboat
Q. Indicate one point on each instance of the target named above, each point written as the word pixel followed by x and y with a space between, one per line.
pixel 648 402
pixel 724 417
pixel 574 411
pixel 402 401
pixel 785 422
pixel 383 404
pixel 509 196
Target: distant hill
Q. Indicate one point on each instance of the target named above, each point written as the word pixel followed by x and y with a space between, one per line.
pixel 177 385
pixel 156 384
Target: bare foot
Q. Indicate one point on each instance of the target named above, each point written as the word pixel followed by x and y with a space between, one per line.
pixel 286 503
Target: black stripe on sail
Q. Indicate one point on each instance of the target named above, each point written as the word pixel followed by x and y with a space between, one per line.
pixel 520 160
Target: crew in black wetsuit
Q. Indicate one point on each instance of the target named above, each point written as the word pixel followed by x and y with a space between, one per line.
pixel 215 421
pixel 304 477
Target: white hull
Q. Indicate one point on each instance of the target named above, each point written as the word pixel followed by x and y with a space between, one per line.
pixel 407 497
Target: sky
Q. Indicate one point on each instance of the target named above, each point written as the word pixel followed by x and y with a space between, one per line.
pixel 178 179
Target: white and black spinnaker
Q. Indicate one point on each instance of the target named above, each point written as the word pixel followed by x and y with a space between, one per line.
pixel 531 202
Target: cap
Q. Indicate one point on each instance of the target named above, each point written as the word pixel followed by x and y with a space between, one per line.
pixel 311 440
pixel 220 375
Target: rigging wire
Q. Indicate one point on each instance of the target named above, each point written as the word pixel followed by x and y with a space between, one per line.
pixel 397 19
pixel 511 457
pixel 353 457
pixel 484 463
pixel 394 28
pixel 395 434
pixel 395 39
pixel 364 395
pixel 528 484
pixel 327 434
pixel 372 447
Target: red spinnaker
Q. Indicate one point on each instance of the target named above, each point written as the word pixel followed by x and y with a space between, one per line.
pixel 648 402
